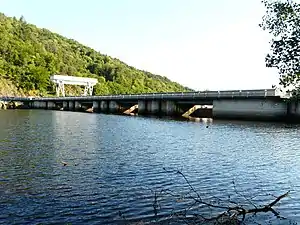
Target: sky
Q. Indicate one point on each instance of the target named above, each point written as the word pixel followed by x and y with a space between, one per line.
pixel 202 44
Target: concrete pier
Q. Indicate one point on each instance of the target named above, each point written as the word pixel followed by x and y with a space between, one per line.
pixel 40 104
pixel 168 108
pixel 153 107
pixel 96 107
pixel 71 105
pixel 77 105
pixel 142 106
pixel 43 105
pixel 65 105
pixel 113 107
pixel 294 111
pixel 51 105
pixel 103 106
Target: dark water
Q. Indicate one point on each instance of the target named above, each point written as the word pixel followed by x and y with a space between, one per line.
pixel 116 165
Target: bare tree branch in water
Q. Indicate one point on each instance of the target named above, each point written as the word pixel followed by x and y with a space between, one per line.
pixel 230 213
pixel 220 211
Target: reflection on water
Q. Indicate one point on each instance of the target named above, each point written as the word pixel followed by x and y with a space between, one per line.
pixel 116 164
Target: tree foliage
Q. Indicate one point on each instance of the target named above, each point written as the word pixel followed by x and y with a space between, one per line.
pixel 29 55
pixel 283 22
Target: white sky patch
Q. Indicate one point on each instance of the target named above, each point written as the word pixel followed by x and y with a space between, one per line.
pixel 229 58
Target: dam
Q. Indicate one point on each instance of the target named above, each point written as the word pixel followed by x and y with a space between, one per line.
pixel 259 104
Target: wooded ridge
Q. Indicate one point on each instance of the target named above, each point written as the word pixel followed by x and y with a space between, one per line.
pixel 29 55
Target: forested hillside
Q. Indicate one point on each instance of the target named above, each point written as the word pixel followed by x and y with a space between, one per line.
pixel 29 55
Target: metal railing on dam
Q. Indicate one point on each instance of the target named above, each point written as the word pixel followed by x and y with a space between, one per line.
pixel 259 93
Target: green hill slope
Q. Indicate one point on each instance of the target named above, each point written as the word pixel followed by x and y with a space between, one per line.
pixel 29 55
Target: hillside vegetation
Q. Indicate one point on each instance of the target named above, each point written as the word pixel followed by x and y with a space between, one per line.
pixel 29 55
pixel 7 88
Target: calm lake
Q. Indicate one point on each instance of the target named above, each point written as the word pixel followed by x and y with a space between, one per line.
pixel 78 168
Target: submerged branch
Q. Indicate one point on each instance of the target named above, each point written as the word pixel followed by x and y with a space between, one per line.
pixel 232 213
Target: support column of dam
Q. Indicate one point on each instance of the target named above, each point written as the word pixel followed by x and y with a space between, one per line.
pixel 250 109
pixel 293 111
pixel 103 106
pixel 142 107
pixel 65 105
pixel 50 105
pixel 158 107
pixel 29 104
pixel 43 105
pixel 39 105
pixel 96 106
pixel 168 108
pixel 153 107
pixel 71 105
pixel 113 106
pixel 34 105
pixel 77 105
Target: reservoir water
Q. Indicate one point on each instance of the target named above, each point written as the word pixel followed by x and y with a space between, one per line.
pixel 77 168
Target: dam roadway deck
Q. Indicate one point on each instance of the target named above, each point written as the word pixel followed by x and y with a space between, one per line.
pixel 205 95
pixel 260 104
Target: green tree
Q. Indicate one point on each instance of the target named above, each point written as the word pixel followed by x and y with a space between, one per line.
pixel 282 20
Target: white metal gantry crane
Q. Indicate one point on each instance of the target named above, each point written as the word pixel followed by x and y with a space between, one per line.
pixel 61 80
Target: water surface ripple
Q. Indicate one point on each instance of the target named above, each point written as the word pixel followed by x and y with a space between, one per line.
pixel 116 165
